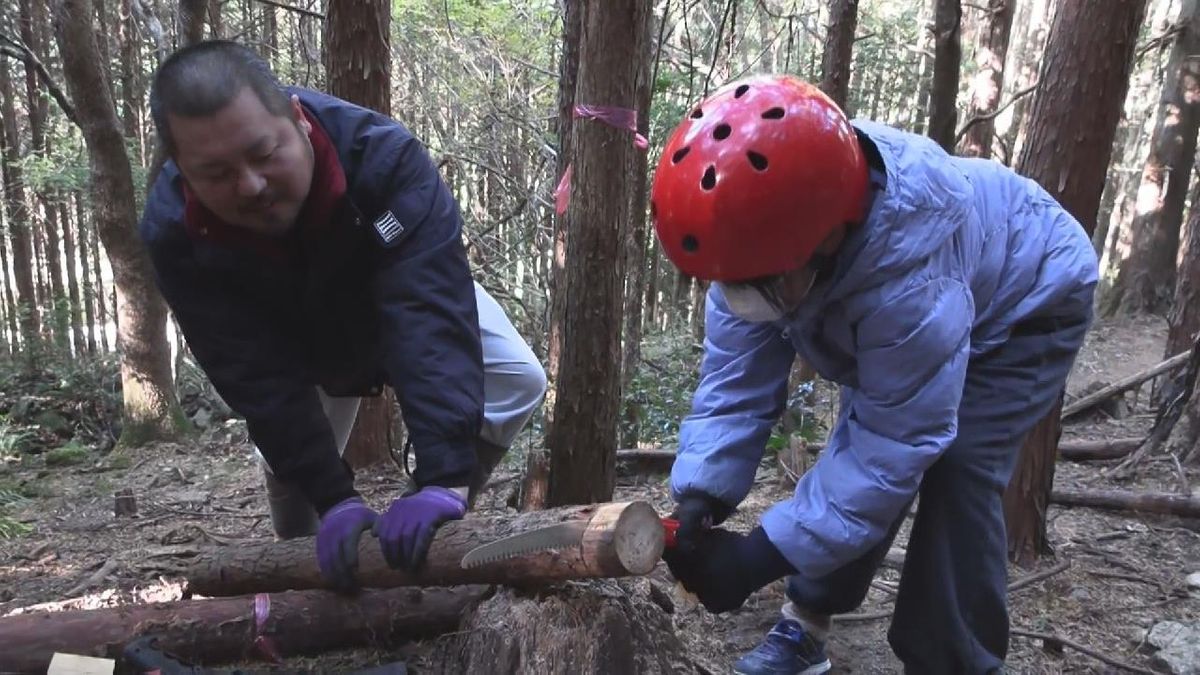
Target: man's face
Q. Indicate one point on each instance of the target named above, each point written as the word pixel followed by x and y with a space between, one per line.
pixel 249 167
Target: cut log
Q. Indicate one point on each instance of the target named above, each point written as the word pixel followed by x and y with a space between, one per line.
pixel 1079 405
pixel 223 630
pixel 1139 502
pixel 621 539
pixel 583 629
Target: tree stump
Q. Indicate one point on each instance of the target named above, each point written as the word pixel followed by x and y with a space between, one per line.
pixel 594 628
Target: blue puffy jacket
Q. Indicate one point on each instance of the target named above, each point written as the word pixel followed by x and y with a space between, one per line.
pixel 953 253
pixel 352 311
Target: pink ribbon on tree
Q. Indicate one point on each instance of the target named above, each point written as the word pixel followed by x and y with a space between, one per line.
pixel 621 118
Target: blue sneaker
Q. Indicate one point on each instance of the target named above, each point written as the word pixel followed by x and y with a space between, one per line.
pixel 787 650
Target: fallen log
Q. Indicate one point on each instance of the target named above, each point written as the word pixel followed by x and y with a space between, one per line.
pixel 225 630
pixel 619 539
pixel 1139 502
pixel 1086 451
pixel 1074 451
pixel 1085 402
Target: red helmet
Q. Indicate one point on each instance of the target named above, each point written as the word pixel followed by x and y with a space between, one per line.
pixel 755 178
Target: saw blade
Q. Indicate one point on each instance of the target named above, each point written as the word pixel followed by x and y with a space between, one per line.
pixel 558 536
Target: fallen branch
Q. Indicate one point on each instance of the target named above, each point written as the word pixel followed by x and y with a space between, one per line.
pixel 223 630
pixel 1085 402
pixel 1014 586
pixel 99 575
pixel 1059 640
pixel 1138 502
pixel 617 539
pixel 1168 413
pixel 1075 451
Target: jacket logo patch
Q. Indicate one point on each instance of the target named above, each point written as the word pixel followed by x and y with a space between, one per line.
pixel 388 227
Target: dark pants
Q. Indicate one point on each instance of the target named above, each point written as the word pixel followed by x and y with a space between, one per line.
pixel 951 611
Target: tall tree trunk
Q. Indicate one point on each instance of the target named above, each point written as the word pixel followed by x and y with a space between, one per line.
pixel 130 91
pixel 947 62
pixel 635 244
pixel 358 66
pixel 151 410
pixel 568 73
pixel 191 20
pixel 102 313
pixel 1033 45
pixel 583 440
pixel 1184 318
pixel 71 261
pixel 1146 277
pixel 10 304
pixel 838 54
pixel 990 54
pixel 1084 76
pixel 18 223
pixel 924 67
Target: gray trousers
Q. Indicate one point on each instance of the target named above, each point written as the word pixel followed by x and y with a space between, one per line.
pixel 513 386
pixel 951 610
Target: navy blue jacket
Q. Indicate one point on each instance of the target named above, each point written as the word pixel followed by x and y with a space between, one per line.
pixel 350 310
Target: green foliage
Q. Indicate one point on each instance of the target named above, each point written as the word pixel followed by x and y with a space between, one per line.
pixel 661 390
pixel 11 498
pixel 67 455
pixel 13 439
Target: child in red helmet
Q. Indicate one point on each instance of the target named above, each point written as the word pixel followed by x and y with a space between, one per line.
pixel 947 296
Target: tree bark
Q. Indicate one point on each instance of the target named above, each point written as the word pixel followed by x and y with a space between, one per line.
pixel 988 82
pixel 839 47
pixel 1146 277
pixel 616 540
pixel 10 304
pixel 59 306
pixel 85 265
pixel 1072 123
pixel 151 410
pixel 102 304
pixel 1029 53
pixel 18 223
pixel 358 60
pixel 947 62
pixel 568 73
pixel 223 630
pixel 1184 318
pixel 583 439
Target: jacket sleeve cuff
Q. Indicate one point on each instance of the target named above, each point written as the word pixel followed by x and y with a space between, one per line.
pixel 445 463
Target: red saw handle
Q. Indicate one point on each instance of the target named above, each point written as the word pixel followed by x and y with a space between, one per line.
pixel 670 527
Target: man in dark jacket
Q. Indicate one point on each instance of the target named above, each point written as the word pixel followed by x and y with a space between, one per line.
pixel 311 254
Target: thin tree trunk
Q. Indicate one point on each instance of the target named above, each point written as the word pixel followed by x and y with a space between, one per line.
pixel 990 55
pixel 358 66
pixel 1146 278
pixel 1184 318
pixel 10 304
pixel 839 44
pixel 59 309
pixel 583 440
pixel 102 304
pixel 130 94
pixel 18 223
pixel 85 266
pixel 71 261
pixel 947 62
pixel 1030 53
pixel 635 245
pixel 1084 76
pixel 568 72
pixel 151 410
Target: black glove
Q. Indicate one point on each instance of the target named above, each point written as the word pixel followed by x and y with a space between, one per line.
pixel 697 512
pixel 725 567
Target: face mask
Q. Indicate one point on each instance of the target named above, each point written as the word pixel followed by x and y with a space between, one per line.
pixel 768 300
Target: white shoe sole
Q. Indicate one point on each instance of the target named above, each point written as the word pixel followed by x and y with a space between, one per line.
pixel 815 669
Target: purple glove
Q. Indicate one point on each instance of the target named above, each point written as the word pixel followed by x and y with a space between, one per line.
pixel 407 528
pixel 337 541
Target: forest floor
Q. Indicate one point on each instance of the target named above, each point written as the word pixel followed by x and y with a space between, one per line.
pixel 1125 575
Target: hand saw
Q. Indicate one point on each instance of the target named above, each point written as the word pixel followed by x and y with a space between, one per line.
pixel 551 537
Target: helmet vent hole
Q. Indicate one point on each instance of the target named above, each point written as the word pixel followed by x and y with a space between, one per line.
pixel 709 180
pixel 757 161
pixel 775 113
pixel 680 154
pixel 722 132
pixel 690 243
pixel 653 210
pixel 697 114
pixel 741 91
